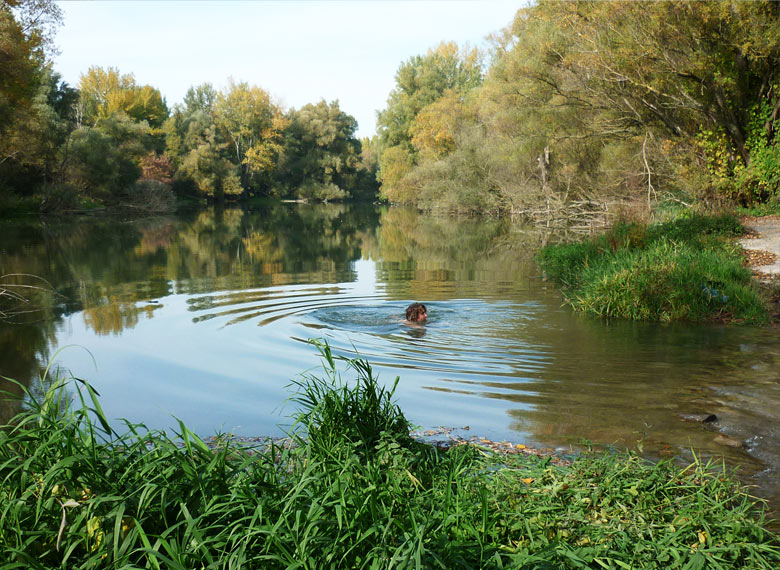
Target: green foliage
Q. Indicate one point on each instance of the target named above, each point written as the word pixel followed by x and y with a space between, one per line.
pixel 319 192
pixel 104 160
pixel 420 81
pixel 679 270
pixel 206 165
pixel 768 209
pixel 355 494
pixel 59 198
pixel 218 144
pixel 200 98
pixel 333 412
pixel 760 180
pixel 754 183
pixel 320 148
pixel 599 102
pixel 240 137
pixel 367 184
pixel 422 112
pixel 13 205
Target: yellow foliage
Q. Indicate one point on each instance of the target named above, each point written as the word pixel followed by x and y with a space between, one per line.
pixel 395 163
pixel 435 127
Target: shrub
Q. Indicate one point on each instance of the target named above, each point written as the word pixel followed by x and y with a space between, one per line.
pixel 151 196
pixel 321 192
pixel 59 198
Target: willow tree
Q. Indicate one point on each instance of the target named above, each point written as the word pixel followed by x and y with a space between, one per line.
pixel 702 71
pixel 320 147
pixel 594 103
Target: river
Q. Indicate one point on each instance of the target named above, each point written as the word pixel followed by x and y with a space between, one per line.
pixel 206 317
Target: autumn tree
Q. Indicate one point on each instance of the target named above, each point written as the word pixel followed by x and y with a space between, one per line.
pixel 106 92
pixel 436 126
pixel 420 82
pixel 32 114
pixel 26 29
pixel 252 126
pixel 682 71
pixel 590 103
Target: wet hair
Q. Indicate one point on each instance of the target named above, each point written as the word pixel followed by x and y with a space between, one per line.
pixel 415 311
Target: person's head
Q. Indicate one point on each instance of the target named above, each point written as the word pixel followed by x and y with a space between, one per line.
pixel 416 312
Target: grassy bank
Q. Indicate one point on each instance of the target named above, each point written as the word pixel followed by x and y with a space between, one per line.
pixel 354 492
pixel 686 270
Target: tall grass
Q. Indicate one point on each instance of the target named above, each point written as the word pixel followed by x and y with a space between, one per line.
pixel 685 269
pixel 354 493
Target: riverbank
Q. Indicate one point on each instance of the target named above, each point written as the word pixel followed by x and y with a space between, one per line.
pixel 355 491
pixel 688 269
pixel 762 245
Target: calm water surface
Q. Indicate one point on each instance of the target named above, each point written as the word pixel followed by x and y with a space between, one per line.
pixel 206 317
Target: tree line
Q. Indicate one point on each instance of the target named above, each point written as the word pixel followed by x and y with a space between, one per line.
pixel 585 103
pixel 113 141
pixel 579 107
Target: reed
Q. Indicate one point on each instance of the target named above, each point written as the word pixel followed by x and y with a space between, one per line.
pixel 683 270
pixel 352 493
pixel 20 295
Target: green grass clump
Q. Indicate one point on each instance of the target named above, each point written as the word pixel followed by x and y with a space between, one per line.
pixel 683 270
pixel 334 413
pixel 77 494
pixel 765 209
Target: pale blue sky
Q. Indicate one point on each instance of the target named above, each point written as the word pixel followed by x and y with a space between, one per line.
pixel 300 52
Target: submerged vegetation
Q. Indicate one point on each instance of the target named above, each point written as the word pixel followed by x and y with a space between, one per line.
pixel 684 269
pixel 352 491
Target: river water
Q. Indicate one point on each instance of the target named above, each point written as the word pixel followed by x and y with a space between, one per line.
pixel 206 317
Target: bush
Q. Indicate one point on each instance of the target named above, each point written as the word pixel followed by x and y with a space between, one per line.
pixel 321 192
pixel 12 204
pixel 60 198
pixel 151 196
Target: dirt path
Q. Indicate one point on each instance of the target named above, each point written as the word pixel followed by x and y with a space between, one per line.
pixel 763 246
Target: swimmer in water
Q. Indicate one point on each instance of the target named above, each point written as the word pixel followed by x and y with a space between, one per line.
pixel 416 313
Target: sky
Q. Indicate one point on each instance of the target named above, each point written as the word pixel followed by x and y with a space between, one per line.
pixel 298 51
